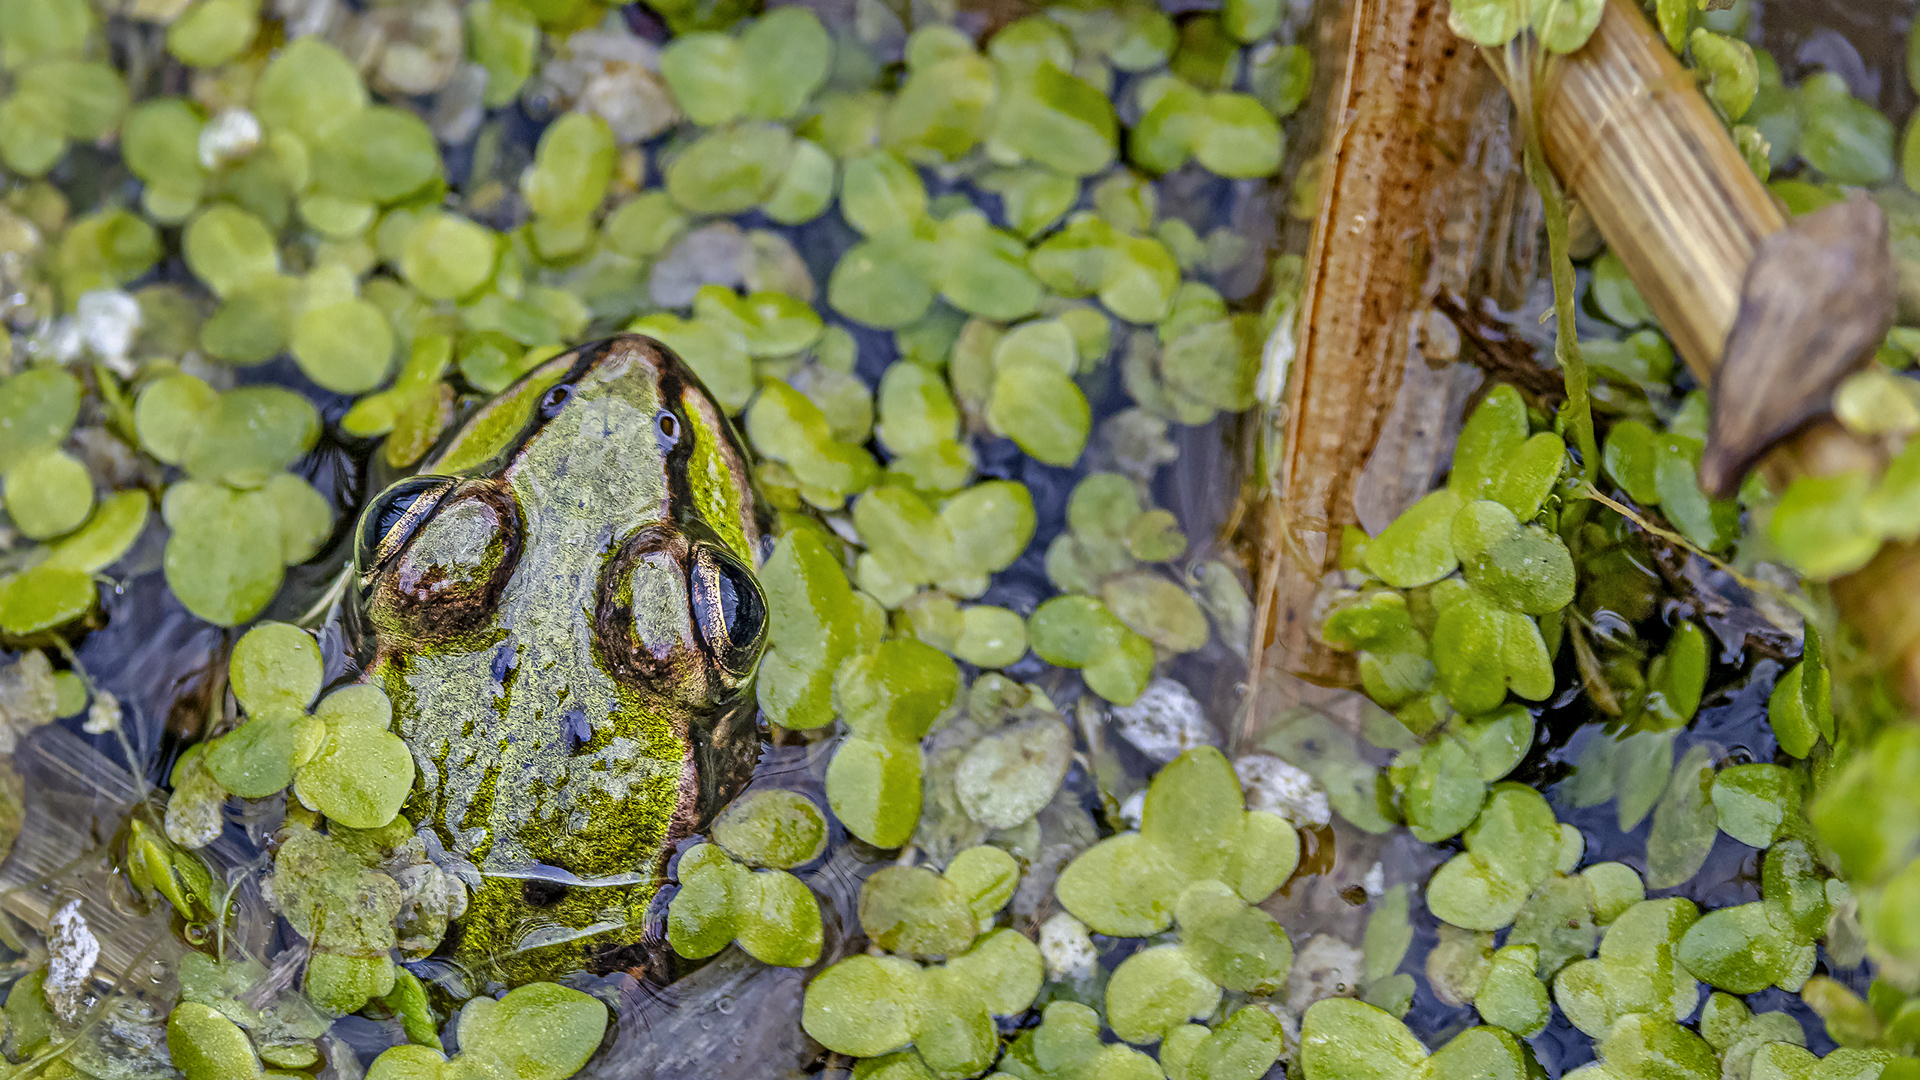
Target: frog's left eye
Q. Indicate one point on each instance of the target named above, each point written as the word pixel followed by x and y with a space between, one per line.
pixel 728 607
pixel 395 515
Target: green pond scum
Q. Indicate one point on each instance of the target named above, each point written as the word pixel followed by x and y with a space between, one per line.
pixel 426 654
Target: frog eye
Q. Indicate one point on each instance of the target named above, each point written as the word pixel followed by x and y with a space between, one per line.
pixel 728 607
pixel 395 515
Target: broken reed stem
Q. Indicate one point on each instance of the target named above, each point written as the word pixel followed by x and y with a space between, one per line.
pixel 1635 142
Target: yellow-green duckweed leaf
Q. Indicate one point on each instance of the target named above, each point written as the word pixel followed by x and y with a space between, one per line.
pixel 873 787
pixel 106 536
pixel 105 250
pixel 1443 788
pixel 213 32
pixel 916 912
pixel 772 827
pixel 1753 802
pixel 540 1031
pixel 361 772
pixel 1417 549
pixel 308 89
pixel 1079 632
pixel 982 270
pixel 1733 73
pixel 885 282
pixel 250 434
pixel 709 76
pixel 1818 525
pixel 214 561
pixel 573 164
pixel 704 916
pixel 30 30
pixel 806 189
pixel 1511 848
pixel 44 597
pixel 730 169
pixel 990 637
pixel 1524 568
pixel 788 53
pixel 446 256
pixel 504 39
pixel 1345 1039
pixel 1042 411
pixel 1240 139
pixel 160 142
pixel 346 347
pixel 376 155
pixel 1235 945
pixel 864 1005
pixel 813 627
pixel 1053 118
pixel 255 323
pixel 205 1045
pixel 1511 997
pixel 770 324
pixel 1154 989
pixel 48 493
pixel 1124 886
pixel 275 668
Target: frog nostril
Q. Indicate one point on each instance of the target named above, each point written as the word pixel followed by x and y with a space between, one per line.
pixel 556 397
pixel 575 730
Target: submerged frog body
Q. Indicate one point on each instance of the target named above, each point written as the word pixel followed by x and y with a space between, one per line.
pixel 563 612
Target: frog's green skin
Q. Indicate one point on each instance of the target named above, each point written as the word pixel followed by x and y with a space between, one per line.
pixel 562 610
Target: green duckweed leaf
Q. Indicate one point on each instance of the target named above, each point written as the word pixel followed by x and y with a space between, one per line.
pixel 772 828
pixel 1417 549
pixel 1510 849
pixel 48 493
pixel 1345 1039
pixel 275 668
pixel 361 772
pixel 37 410
pixel 214 563
pixel 1755 801
pixel 865 1006
pixel 915 912
pixel 1154 989
pixel 1684 821
pixel 1235 945
pixel 730 169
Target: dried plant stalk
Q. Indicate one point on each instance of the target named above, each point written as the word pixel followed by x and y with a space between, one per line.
pixel 1635 142
pixel 1398 130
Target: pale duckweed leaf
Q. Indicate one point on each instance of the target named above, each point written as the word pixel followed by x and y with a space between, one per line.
pixel 1488 22
pixel 806 189
pixel 769 324
pixel 1775 377
pixel 37 409
pixel 1845 138
pixel 709 77
pixel 773 828
pixel 1523 567
pixel 1124 886
pixel 1442 788
pixel 1243 1047
pixel 885 282
pixel 1008 776
pixel 1755 801
pixel 1558 922
pixel 1565 25
pixel 716 351
pixel 1733 73
pixel 1684 821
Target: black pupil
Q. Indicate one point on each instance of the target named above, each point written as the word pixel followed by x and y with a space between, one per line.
pixel 741 607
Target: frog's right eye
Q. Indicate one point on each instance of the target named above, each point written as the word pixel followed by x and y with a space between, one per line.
pixel 394 516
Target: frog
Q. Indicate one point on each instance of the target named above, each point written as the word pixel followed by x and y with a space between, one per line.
pixel 562 607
